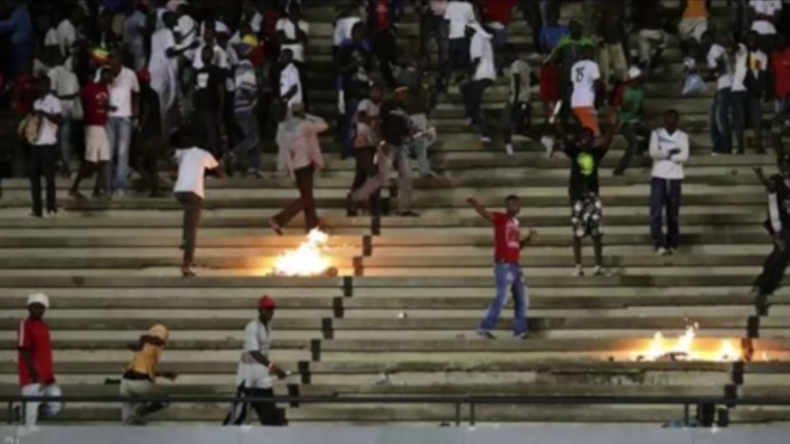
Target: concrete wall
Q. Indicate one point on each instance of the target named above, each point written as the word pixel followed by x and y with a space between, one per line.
pixel 564 434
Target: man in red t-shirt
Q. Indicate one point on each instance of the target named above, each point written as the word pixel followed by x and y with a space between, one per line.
pixel 507 252
pixel 496 17
pixel 95 97
pixel 36 374
pixel 780 65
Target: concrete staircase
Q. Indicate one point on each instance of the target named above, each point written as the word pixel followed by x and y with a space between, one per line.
pixel 400 319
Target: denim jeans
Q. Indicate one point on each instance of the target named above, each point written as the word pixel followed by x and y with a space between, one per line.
pixel 65 140
pixel 665 194
pixel 348 126
pixel 720 129
pixel 248 151
pixel 508 276
pixel 472 93
pixel 119 131
pixel 420 145
pixel 498 41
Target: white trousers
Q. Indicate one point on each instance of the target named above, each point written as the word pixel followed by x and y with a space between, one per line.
pixel 34 409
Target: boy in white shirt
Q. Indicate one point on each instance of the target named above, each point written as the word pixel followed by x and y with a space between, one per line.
pixel 459 14
pixel 43 151
pixel 66 87
pixel 719 64
pixel 586 79
pixel 748 88
pixel 481 52
pixel 669 148
pixel 189 191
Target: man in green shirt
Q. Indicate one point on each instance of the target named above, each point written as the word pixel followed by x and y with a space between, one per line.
pixel 633 128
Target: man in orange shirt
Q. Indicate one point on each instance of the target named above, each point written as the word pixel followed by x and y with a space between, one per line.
pixel 693 24
pixel 139 379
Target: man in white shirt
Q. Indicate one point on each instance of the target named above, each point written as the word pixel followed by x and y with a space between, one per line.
pixel 66 87
pixel 669 148
pixel 719 65
pixel 290 95
pixel 766 15
pixel 255 370
pixel 43 151
pixel 292 31
pixel 459 14
pixel 67 33
pixel 189 191
pixel 124 106
pixel 134 36
pixel 586 79
pixel 481 52
pixel 748 88
pixel 220 58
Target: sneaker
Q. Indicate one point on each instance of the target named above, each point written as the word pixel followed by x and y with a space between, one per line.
pixel 37 216
pixel 521 336
pixel 548 143
pixel 661 251
pixel 509 149
pixel 118 194
pixel 485 334
pixel 672 251
pixel 578 271
pixel 485 139
pixel 599 271
pixel 52 214
pixel 618 173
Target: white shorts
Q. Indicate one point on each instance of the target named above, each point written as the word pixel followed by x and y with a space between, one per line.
pixel 97 144
pixel 692 28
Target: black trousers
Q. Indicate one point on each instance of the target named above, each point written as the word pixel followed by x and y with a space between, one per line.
pixel 305 202
pixel 193 205
pixel 208 121
pixel 267 411
pixel 773 271
pixel 42 163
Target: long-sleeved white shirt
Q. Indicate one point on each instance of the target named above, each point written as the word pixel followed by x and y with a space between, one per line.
pixel 661 143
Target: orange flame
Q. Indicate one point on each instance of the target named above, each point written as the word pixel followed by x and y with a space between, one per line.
pixel 306 260
pixel 683 349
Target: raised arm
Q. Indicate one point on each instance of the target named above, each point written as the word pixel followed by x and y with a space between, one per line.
pixel 480 209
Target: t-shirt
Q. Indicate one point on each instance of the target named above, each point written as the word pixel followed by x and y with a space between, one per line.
pixel 343 28
pixel 480 48
pixel 780 64
pixel 48 131
pixel 631 105
pixel 584 74
pixel 584 170
pixel 498 11
pixel 521 69
pixel 716 53
pixel 65 83
pixel 289 77
pixel 245 87
pixel 551 35
pixel 757 61
pixel 95 96
pixel 696 9
pixel 33 335
pixel 507 239
pixel 356 82
pixel 251 373
pixel 66 36
pixel 192 164
pixel 370 108
pixel 778 207
pixel 146 360
pixel 207 80
pixel 220 58
pixel 394 122
pixel 768 8
pixel 121 90
pixel 460 14
pixel 287 26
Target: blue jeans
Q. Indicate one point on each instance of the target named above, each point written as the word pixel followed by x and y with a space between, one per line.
pixel 348 126
pixel 65 139
pixel 720 126
pixel 248 151
pixel 508 276
pixel 119 132
pixel 472 94
pixel 665 194
pixel 498 41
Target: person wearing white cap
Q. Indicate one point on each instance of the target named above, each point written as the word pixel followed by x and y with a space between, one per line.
pixel 36 372
pixel 631 104
pixel 139 377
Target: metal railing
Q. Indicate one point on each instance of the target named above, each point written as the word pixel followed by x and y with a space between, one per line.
pixel 457 401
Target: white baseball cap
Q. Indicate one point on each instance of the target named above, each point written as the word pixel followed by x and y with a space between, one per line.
pixel 38 298
pixel 634 72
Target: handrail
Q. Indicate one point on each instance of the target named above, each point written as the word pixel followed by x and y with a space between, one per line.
pixel 458 401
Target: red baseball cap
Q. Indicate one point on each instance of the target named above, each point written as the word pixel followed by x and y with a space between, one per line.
pixel 266 302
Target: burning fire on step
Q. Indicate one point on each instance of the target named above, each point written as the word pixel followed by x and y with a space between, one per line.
pixel 306 260
pixel 682 349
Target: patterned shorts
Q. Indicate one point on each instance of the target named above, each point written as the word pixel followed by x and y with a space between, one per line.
pixel 587 216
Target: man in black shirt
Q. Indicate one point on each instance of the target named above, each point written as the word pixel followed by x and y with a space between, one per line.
pixel 209 100
pixel 149 141
pixel 355 65
pixel 586 207
pixel 397 132
pixel 778 226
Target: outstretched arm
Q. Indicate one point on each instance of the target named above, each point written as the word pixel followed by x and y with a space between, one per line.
pixel 480 209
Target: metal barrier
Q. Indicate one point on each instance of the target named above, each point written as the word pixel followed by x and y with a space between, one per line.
pixel 457 401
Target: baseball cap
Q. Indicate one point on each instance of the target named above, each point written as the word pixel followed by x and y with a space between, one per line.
pixel 159 331
pixel 634 72
pixel 38 298
pixel 266 302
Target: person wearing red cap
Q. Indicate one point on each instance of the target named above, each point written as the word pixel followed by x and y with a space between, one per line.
pixel 254 375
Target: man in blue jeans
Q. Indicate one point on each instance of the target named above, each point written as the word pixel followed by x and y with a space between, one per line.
pixel 124 106
pixel 507 271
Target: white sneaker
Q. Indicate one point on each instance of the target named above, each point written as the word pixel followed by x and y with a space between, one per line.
pixel 509 149
pixel 52 215
pixel 485 139
pixel 661 251
pixel 548 142
pixel 578 271
pixel 599 271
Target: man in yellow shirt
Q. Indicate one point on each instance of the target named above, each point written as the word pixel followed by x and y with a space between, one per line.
pixel 140 375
